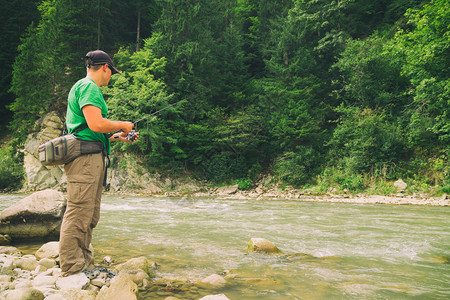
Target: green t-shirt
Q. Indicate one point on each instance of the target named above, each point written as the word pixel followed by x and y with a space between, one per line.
pixel 85 92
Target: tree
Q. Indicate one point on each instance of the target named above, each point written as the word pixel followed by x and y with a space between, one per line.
pixel 15 17
pixel 426 51
pixel 49 61
pixel 137 93
pixel 370 77
pixel 50 57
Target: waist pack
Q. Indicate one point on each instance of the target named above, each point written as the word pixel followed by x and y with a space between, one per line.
pixel 65 149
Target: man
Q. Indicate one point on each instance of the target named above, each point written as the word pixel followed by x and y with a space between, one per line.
pixel 86 173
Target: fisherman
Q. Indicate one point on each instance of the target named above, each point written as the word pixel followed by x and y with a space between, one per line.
pixel 86 173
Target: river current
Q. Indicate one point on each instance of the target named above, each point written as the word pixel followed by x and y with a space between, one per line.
pixel 330 250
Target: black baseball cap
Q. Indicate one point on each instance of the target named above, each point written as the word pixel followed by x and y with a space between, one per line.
pixel 99 57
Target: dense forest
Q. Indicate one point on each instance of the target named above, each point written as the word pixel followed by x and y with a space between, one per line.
pixel 336 94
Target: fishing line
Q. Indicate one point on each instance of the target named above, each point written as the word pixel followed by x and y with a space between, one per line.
pixel 132 134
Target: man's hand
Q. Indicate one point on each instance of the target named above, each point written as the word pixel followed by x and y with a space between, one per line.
pixel 122 136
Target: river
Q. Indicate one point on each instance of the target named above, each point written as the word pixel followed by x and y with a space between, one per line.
pixel 353 251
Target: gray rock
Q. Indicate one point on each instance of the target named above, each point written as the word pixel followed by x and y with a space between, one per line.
pixel 135 264
pixel 21 283
pixel 400 185
pixel 227 190
pixel 47 262
pixel 8 266
pixel 27 263
pixel 107 260
pixel 122 287
pixel 24 294
pixel 77 282
pixel 261 245
pixel 37 216
pixel 44 280
pixel 79 295
pixel 214 281
pixel 132 175
pixel 215 297
pixel 99 282
pixel 55 297
pixel 49 250
pixel 138 276
pixel 9 250
pixel 39 177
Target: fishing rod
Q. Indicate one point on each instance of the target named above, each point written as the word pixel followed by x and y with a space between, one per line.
pixel 157 112
pixel 131 136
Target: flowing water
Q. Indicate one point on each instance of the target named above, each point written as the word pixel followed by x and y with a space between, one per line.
pixel 352 251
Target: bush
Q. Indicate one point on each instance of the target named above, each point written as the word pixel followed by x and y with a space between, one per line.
pixel 11 170
pixel 244 184
pixel 365 141
pixel 297 168
pixel 224 167
pixel 335 178
pixel 353 183
pixel 446 189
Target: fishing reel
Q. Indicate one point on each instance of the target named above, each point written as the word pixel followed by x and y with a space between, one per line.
pixel 131 136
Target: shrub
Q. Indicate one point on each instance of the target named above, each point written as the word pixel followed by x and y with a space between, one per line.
pixel 297 168
pixel 244 184
pixel 446 189
pixel 11 170
pixel 224 167
pixel 364 141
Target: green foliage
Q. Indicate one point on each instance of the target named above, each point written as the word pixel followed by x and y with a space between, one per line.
pixel 11 169
pixel 335 179
pixel 244 184
pixel 426 52
pixel 446 189
pixel 15 16
pixel 223 167
pixel 297 168
pixel 48 62
pixel 371 77
pixel 135 94
pixel 364 141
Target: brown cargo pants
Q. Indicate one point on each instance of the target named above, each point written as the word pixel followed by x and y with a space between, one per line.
pixel 84 190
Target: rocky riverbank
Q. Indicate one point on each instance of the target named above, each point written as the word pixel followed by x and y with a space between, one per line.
pixel 38 276
pixel 273 193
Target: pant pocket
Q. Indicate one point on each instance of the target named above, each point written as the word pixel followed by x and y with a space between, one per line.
pixel 81 189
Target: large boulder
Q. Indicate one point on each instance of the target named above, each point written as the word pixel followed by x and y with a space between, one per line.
pixel 37 216
pixel 39 177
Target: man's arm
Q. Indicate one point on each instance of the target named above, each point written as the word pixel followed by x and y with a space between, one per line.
pixel 97 123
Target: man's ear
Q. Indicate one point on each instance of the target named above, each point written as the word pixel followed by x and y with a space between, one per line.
pixel 105 67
